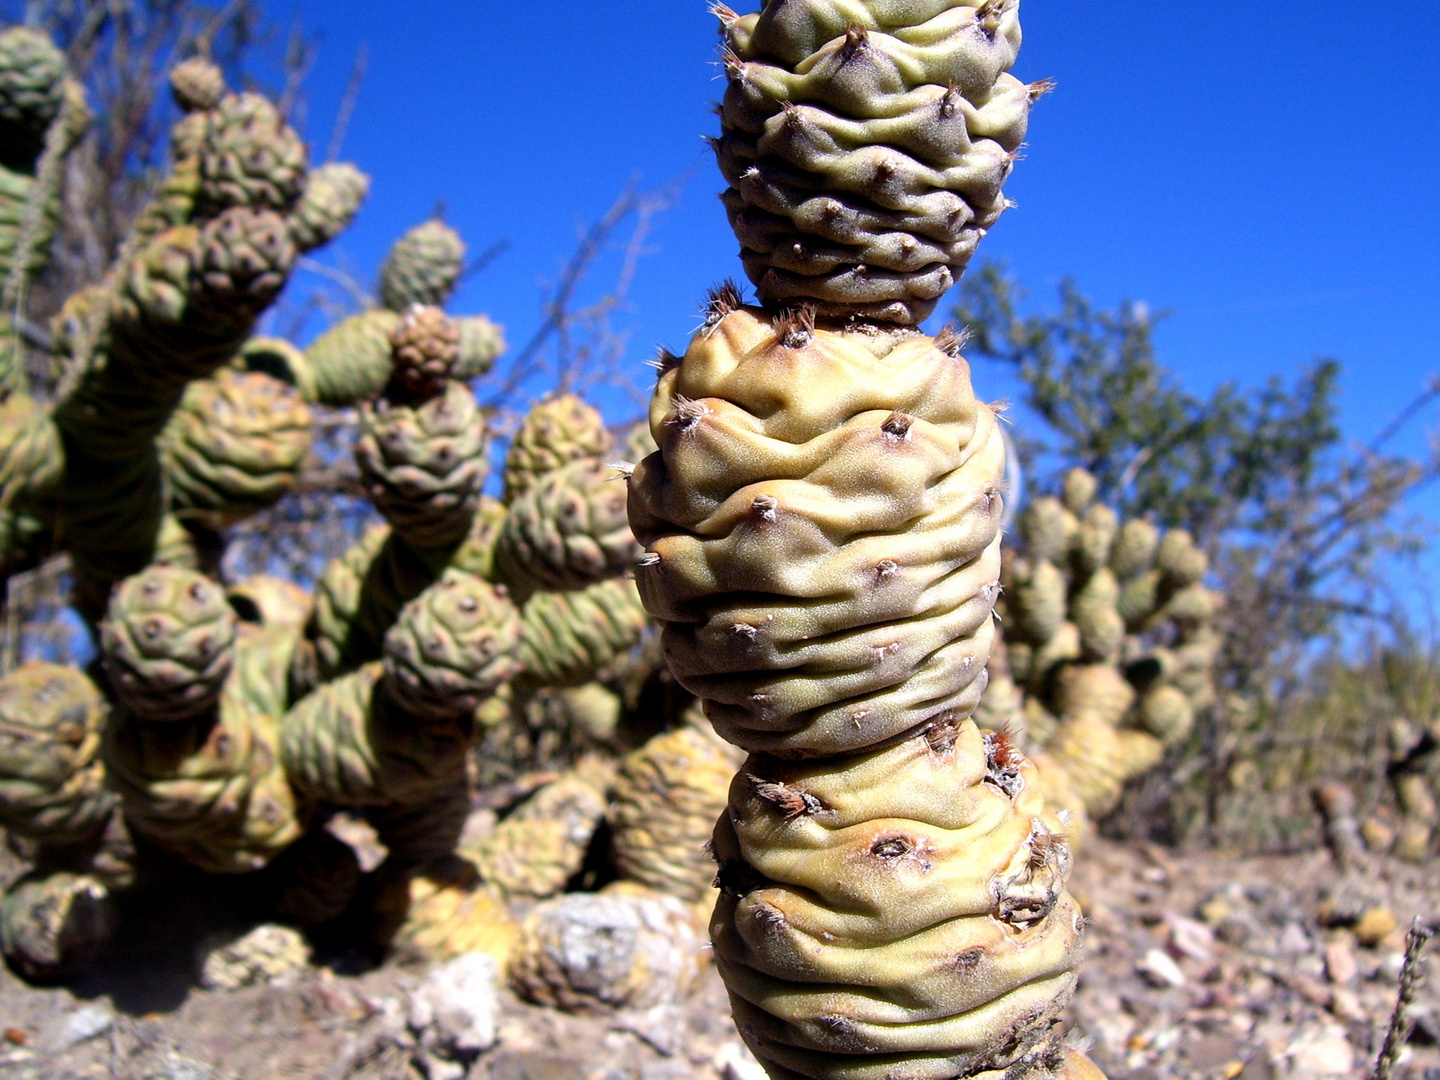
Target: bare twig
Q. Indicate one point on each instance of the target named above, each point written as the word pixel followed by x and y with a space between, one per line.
pixel 347 103
pixel 1412 973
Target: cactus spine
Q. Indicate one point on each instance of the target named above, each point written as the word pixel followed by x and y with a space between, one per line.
pixel 821 525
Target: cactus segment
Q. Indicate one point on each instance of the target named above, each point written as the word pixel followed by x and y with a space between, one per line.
pixel 234 446
pixel 557 431
pixel 866 145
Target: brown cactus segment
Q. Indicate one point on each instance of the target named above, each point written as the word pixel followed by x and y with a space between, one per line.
pixel 425 350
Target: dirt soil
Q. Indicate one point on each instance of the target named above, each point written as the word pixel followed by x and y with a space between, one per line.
pixel 1200 966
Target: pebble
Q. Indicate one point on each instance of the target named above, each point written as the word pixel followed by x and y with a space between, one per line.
pixel 1375 925
pixel 1340 965
pixel 263 955
pixel 1160 970
pixel 452 1012
pixel 80 1026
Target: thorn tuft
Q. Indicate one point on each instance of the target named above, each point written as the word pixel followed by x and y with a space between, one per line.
pixel 765 507
pixel 950 341
pixel 897 426
pixel 1037 90
pixel 796 326
pixel 792 802
pixel 687 414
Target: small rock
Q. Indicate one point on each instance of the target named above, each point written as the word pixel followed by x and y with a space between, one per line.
pixel 1340 965
pixel 1375 925
pixel 80 1026
pixel 174 1067
pixel 1321 1052
pixel 453 1010
pixel 1293 940
pixel 261 956
pixel 1160 970
pixel 733 1061
pixel 1191 938
pixel 662 1027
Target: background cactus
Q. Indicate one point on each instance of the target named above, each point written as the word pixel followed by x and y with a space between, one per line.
pixel 1110 645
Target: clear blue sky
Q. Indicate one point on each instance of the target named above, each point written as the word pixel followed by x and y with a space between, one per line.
pixel 1268 174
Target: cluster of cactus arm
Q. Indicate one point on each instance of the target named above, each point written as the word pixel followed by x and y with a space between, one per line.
pixel 1109 645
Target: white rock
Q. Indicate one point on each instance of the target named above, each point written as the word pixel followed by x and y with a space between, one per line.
pixel 734 1061
pixel 1321 1052
pixel 453 1010
pixel 1160 970
pixel 81 1025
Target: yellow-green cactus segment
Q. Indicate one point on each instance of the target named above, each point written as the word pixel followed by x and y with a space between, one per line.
pixel 422 267
pixel 168 641
pixel 452 647
pixel 567 531
pixel 350 362
pixel 667 797
pixel 32 458
pixel 250 156
pixel 1111 633
pixel 903 909
pixel 866 144
pixel 52 783
pixel 568 637
pixel 423 465
pixel 541 845
pixel 822 534
pixel 556 431
pixel 211 792
pixel 234 446
pixel 331 199
pixel 395 733
pixel 822 525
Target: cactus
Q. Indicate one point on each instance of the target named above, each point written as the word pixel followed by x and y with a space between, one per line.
pixel 331 199
pixel 423 466
pixel 235 445
pixel 52 783
pixel 567 638
pixel 423 266
pixel 557 431
pixel 821 526
pixel 667 797
pixel 195 763
pixel 1110 644
pixel 393 735
pixel 54 925
pixel 168 641
pixel 568 531
pixel 541 845
pixel 208 255
pixel 32 93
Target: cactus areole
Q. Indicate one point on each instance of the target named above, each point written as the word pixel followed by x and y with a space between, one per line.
pixel 821 531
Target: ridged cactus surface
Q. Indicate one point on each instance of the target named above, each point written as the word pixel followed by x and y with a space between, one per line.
pixel 866 143
pixel 667 797
pixel 168 642
pixel 822 534
pixel 52 783
pixel 1110 643
pixel 32 91
pixel 423 466
pixel 567 531
pixel 234 446
pixel 568 637
pixel 422 267
pixel 555 432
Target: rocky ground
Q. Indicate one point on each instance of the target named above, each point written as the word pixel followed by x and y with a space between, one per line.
pixel 1201 967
